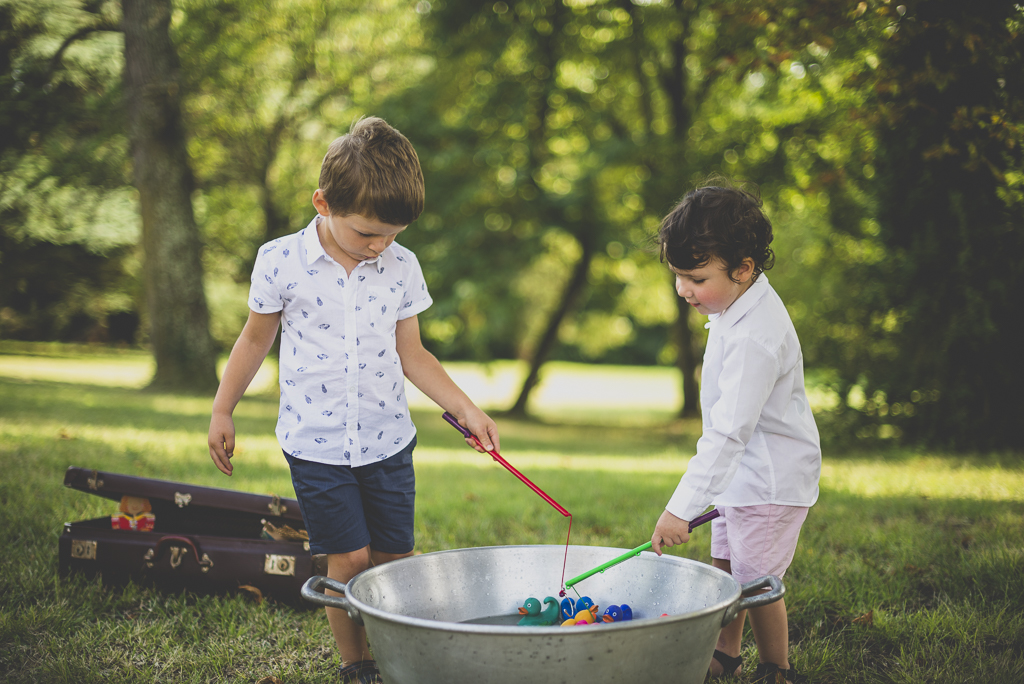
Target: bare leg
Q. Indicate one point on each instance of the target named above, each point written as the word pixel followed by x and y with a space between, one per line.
pixel 771 633
pixel 350 637
pixel 730 639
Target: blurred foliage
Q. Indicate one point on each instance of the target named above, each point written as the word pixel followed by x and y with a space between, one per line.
pixel 67 209
pixel 554 134
pixel 925 346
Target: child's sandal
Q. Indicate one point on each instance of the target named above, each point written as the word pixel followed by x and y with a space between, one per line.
pixel 362 672
pixel 730 665
pixel 770 673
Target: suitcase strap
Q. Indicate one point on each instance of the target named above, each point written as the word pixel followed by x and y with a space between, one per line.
pixel 174 543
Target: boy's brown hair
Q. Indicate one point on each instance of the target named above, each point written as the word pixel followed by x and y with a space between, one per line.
pixel 715 221
pixel 374 172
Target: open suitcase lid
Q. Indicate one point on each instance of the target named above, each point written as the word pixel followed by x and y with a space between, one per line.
pixel 114 486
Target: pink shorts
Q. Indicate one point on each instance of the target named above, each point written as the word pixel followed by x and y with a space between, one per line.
pixel 757 540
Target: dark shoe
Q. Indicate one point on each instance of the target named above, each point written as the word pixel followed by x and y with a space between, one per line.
pixel 729 665
pixel 363 672
pixel 770 673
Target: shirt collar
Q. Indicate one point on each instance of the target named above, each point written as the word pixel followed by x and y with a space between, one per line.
pixel 315 250
pixel 744 303
pixel 311 241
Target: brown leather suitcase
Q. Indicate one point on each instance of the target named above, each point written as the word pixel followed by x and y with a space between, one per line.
pixel 203 539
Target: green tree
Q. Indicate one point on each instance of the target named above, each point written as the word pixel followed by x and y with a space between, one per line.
pixel 267 85
pixel 569 129
pixel 54 53
pixel 68 223
pixel 951 212
pixel 173 271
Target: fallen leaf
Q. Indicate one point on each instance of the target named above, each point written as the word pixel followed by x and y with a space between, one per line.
pixel 270 679
pixel 865 619
pixel 256 594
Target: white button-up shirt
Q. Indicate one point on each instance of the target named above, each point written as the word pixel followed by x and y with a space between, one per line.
pixel 760 444
pixel 342 387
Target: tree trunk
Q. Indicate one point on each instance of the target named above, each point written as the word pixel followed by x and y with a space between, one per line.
pixel 176 302
pixel 573 288
pixel 686 361
pixel 676 85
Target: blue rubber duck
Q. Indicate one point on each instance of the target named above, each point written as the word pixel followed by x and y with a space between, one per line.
pixel 618 613
pixel 612 614
pixel 533 616
pixel 584 603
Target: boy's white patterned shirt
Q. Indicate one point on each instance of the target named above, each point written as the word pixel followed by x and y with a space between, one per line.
pixel 342 387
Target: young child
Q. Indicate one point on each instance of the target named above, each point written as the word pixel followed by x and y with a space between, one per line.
pixel 758 459
pixel 346 297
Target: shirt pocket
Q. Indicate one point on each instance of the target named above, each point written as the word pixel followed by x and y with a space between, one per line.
pixel 382 303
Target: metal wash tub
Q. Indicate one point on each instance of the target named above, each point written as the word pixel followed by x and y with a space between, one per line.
pixel 417 611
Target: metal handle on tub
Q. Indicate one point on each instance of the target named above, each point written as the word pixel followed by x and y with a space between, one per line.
pixel 311 591
pixel 778 590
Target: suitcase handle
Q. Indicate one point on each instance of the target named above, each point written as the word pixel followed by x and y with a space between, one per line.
pixel 169 541
pixel 312 593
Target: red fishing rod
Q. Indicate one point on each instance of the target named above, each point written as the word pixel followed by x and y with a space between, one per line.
pixel 525 480
pixel 497 457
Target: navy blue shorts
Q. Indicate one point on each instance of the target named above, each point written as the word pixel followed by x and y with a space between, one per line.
pixel 347 508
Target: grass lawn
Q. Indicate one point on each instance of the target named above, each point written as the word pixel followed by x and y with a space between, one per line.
pixel 910 567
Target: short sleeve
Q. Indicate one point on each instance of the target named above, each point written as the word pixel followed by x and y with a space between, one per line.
pixel 415 296
pixel 264 294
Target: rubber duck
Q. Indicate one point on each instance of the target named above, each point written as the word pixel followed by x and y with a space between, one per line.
pixel 627 612
pixel 612 614
pixel 586 616
pixel 584 603
pixel 533 616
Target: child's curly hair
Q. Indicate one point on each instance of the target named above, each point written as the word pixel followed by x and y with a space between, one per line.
pixel 715 221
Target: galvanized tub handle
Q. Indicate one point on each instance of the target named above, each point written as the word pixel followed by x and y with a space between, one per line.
pixel 311 591
pixel 778 590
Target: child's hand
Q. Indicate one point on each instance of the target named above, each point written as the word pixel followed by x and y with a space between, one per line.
pixel 222 441
pixel 481 425
pixel 670 531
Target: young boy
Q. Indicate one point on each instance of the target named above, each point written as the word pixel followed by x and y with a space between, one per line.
pixel 758 459
pixel 346 297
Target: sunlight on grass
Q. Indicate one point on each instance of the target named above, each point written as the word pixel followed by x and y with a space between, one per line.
pixel 926 477
pixel 131 370
pixel 636 395
pixel 569 389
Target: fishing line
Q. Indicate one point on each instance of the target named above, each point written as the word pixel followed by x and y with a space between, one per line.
pixel 525 480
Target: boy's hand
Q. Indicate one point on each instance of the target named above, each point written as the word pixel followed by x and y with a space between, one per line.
pixel 481 425
pixel 670 531
pixel 222 442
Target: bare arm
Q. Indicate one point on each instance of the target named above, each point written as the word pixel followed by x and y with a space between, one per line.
pixel 246 357
pixel 425 371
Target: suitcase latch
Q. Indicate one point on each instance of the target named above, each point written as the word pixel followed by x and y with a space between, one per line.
pixel 177 553
pixel 279 565
pixel 94 482
pixel 182 500
pixel 276 509
pixel 83 549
